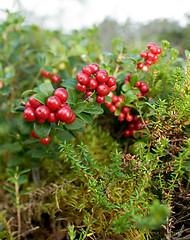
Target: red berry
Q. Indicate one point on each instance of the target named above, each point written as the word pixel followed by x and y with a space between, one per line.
pixel 102 76
pixel 151 44
pixel 92 84
pixel 81 88
pixel 133 132
pixel 125 110
pixel 64 114
pixel 140 65
pixel 55 78
pixel 38 120
pixel 42 112
pixel 103 90
pixel 138 83
pixel 110 94
pixel 108 104
pixel 156 57
pixel 53 103
pixel 112 108
pixel 33 134
pixel 82 78
pixel 129 118
pixel 45 73
pixel 120 99
pixel 144 89
pixel 127 133
pixel 45 141
pixel 121 117
pixel 100 99
pixel 27 104
pixel 147 121
pixel 144 54
pixel 29 114
pixel 135 119
pixel 145 68
pixel 140 96
pixel 87 70
pixel 113 87
pixel 64 104
pixel 114 99
pixel 111 82
pixel 126 81
pixel 33 102
pixel 62 94
pixel 88 93
pixel 143 83
pixel 159 50
pixel 153 49
pixel 52 118
pixel 149 62
pixel 95 67
pixel 139 126
pixel 72 119
pixel 131 126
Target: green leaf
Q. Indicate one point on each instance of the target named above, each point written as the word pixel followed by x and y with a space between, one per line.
pixel 14 161
pixel 117 112
pixel 133 80
pixel 69 83
pixel 40 98
pixel 108 99
pixel 94 109
pixel 75 125
pixel 1 70
pixel 86 117
pixel 64 135
pixel 24 171
pixel 73 97
pixel 126 87
pixel 46 89
pixel 130 96
pixel 22 179
pixel 79 107
pixel 10 189
pixel 28 93
pixel 42 130
pixel 38 153
pixel 41 59
pixel 25 127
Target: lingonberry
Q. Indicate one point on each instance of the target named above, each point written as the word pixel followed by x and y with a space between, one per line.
pixel 45 141
pixel 52 118
pixel 100 99
pixel 27 104
pixel 140 65
pixel 72 119
pixel 110 94
pixel 121 117
pixel 103 90
pixel 128 77
pixel 127 133
pixel 138 84
pixel 88 93
pixel 135 119
pixel 108 104
pixel 151 55
pixel 81 88
pixel 114 99
pixel 33 102
pixel 82 78
pixel 55 78
pixel 133 132
pixel 151 44
pixel 120 99
pixel 156 57
pixel 62 94
pixel 33 134
pixel 42 112
pixel 153 49
pixel 45 74
pixel 147 121
pixel 112 108
pixel 102 76
pixel 144 89
pixel 29 114
pixel 64 114
pixel 39 120
pixel 87 70
pixel 113 87
pixel 139 126
pixel 145 68
pixel 53 103
pixel 92 84
pixel 129 118
pixel 140 96
pixel 159 50
pixel 125 110
pixel 149 62
pixel 144 54
pixel 94 67
pixel 131 126
pixel 111 82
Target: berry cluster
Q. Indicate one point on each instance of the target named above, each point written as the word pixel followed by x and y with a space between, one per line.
pixel 150 57
pixel 142 86
pixel 92 78
pixel 55 110
pixel 54 77
pixel 134 126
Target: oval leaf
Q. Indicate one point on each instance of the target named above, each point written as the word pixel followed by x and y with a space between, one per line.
pixel 75 125
pixel 42 130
